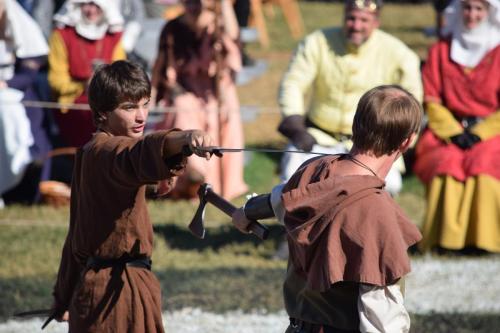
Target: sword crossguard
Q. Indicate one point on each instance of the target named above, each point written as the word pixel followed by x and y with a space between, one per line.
pixel 186 151
pixel 215 150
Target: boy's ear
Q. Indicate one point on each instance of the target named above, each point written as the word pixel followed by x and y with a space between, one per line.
pixel 407 143
pixel 102 118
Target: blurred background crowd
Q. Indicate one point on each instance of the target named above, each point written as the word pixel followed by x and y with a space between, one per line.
pixel 195 52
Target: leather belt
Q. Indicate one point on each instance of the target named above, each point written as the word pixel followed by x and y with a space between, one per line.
pixel 97 263
pixel 338 136
pixel 300 326
pixel 468 121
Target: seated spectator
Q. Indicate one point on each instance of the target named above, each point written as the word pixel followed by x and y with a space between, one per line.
pixel 458 156
pixel 24 142
pixel 339 64
pixel 88 33
pixel 194 74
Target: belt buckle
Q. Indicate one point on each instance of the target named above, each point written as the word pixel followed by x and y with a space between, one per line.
pixel 297 328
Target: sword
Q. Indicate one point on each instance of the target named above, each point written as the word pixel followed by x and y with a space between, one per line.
pixel 33 313
pixel 218 151
pixel 36 313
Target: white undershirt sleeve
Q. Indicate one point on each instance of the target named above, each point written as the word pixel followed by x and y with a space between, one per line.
pixel 381 309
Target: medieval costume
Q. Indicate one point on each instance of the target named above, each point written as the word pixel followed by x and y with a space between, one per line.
pixel 348 244
pixel 24 140
pixel 77 47
pixel 338 73
pixel 105 279
pixel 462 95
pixel 203 94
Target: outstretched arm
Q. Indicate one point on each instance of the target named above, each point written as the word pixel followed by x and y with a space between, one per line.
pixel 259 207
pixel 154 157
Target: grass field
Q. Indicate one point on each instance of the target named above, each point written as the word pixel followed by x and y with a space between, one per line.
pixel 211 272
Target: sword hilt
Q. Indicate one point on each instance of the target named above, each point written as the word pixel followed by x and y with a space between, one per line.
pixel 186 151
pixel 254 227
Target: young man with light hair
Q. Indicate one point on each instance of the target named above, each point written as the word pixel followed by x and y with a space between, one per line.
pixel 347 237
pixel 339 64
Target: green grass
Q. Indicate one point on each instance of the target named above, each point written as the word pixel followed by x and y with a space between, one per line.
pixel 192 272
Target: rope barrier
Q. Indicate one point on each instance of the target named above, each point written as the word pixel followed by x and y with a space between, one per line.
pixel 155 110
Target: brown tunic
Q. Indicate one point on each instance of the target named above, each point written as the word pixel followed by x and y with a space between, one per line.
pixel 342 231
pixel 109 219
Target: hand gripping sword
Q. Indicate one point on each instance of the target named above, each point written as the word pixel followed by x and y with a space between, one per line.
pixel 207 195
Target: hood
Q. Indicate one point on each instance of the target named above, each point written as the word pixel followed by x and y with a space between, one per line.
pixel 313 196
pixel 344 228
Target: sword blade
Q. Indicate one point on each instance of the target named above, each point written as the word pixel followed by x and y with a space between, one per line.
pixel 33 313
pixel 221 150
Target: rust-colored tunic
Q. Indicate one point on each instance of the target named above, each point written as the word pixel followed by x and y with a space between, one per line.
pixel 342 231
pixel 109 219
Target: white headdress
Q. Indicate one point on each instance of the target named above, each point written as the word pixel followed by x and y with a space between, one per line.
pixel 25 33
pixel 70 14
pixel 469 46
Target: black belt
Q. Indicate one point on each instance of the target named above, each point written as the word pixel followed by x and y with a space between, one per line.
pixel 338 136
pixel 97 263
pixel 300 326
pixel 468 121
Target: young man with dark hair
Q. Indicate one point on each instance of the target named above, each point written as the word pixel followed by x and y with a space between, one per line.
pixel 347 237
pixel 105 281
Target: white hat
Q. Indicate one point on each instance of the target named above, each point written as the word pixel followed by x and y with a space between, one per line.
pixel 25 32
pixel 70 14
pixel 469 46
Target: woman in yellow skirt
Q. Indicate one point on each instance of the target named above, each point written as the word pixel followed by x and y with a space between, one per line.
pixel 458 157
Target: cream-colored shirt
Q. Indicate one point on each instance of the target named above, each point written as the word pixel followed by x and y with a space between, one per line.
pixel 339 76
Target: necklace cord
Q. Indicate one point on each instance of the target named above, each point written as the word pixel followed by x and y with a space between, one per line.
pixel 359 163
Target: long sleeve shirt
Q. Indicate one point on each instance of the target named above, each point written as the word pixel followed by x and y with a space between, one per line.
pixel 339 75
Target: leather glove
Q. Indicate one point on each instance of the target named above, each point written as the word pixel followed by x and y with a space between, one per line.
pixel 294 128
pixel 465 140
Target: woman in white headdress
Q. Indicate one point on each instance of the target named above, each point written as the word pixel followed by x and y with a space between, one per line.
pixel 88 33
pixel 458 157
pixel 23 136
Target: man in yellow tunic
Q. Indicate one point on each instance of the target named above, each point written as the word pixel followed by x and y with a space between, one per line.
pixel 339 64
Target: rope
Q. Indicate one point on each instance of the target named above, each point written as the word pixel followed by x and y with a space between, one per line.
pixel 154 110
